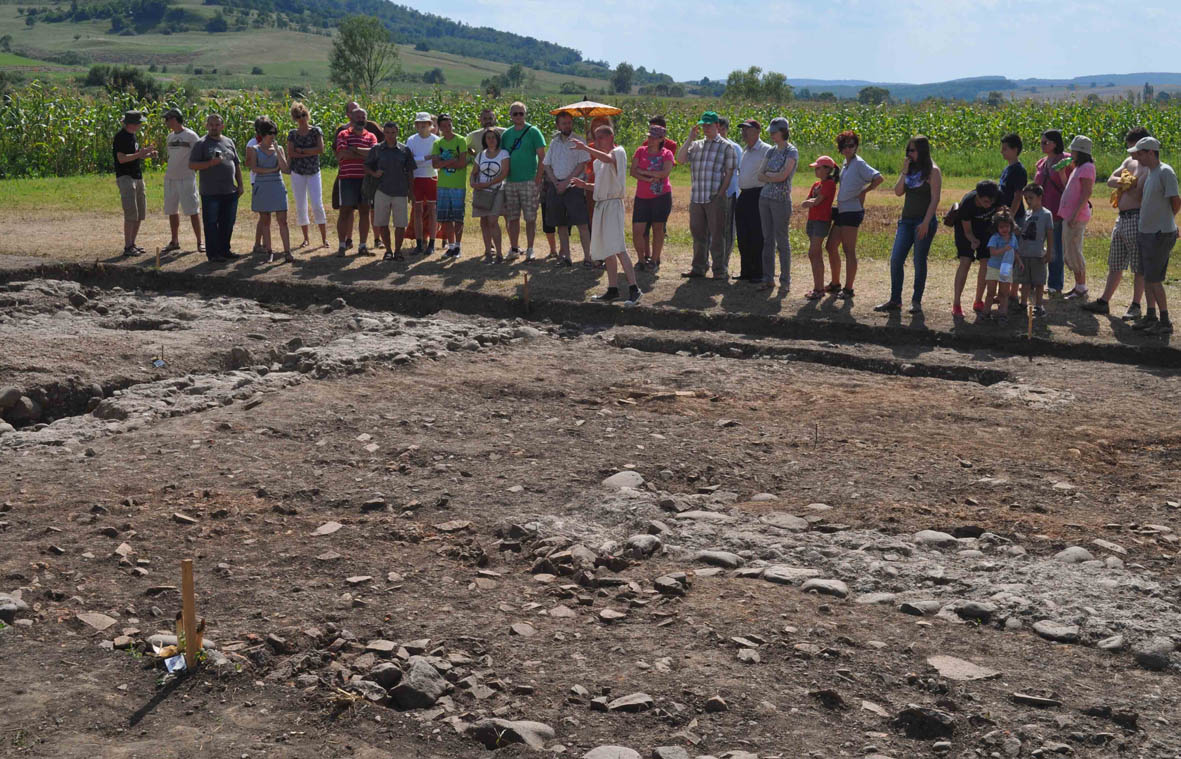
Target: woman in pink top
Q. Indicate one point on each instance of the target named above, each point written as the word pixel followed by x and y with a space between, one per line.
pixel 1075 210
pixel 1053 182
pixel 651 165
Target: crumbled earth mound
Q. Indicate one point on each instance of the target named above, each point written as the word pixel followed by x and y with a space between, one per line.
pixel 445 537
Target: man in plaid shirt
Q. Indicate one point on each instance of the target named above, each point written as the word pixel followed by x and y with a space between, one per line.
pixel 711 167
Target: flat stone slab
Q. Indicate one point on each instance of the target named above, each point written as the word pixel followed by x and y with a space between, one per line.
pixel 960 669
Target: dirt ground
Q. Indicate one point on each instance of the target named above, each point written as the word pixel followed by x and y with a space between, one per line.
pixel 357 489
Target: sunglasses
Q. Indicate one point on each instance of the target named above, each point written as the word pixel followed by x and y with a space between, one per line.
pixel 844 145
pixel 517 113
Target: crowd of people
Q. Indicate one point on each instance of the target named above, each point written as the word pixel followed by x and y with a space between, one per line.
pixel 1022 235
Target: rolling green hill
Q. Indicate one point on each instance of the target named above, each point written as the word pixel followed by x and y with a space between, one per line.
pixel 288 58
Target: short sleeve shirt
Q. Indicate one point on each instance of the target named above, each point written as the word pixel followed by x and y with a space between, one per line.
pixel 777 158
pixel 475 140
pixel 456 147
pixel 522 146
pixel 489 167
pixel 1051 183
pixel 220 179
pixel 1156 210
pixel 126 143
pixel 180 147
pixel 856 175
pixel 1013 181
pixel 421 148
pixel 981 218
pixel 646 161
pixel 307 165
pixel 826 192
pixel 1006 244
pixel 1034 230
pixel 562 157
pixel 1072 196
pixel 353 168
pixel 611 178
pixel 397 165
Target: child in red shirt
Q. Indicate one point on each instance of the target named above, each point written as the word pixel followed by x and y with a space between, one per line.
pixel 820 204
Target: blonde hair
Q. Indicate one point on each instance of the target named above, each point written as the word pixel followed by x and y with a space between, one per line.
pixel 298 110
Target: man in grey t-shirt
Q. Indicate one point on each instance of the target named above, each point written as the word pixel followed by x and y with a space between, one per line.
pixel 1159 203
pixel 215 159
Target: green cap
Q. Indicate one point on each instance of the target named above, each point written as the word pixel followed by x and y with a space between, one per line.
pixel 709 117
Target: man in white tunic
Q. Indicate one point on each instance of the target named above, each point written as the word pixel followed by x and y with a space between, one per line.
pixel 608 241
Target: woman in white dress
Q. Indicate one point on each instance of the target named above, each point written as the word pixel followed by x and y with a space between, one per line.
pixel 608 238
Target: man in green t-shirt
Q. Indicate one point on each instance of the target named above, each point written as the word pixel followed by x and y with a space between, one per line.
pixel 449 156
pixel 526 148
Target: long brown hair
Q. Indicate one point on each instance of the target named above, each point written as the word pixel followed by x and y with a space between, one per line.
pixel 923 163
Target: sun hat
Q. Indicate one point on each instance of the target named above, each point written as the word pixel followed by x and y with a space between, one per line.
pixel 422 116
pixel 133 117
pixel 709 117
pixel 823 161
pixel 778 124
pixel 1146 143
pixel 750 123
pixel 1081 144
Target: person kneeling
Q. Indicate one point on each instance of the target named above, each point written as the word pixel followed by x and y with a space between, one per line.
pixel 608 239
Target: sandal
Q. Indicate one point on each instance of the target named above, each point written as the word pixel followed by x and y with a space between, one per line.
pixel 588 264
pixel 813 295
pixel 833 287
pixel 288 257
pixel 845 293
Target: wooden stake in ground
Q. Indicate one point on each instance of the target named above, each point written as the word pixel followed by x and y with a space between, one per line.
pixel 526 294
pixel 1029 313
pixel 189 611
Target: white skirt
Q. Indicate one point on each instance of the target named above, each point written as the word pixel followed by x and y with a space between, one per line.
pixel 607 229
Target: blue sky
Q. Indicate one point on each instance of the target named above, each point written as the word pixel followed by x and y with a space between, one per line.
pixel 877 40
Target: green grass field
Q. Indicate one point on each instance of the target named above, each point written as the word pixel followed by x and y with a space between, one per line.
pixel 288 58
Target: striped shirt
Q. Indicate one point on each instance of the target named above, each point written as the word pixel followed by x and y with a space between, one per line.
pixel 353 168
pixel 709 161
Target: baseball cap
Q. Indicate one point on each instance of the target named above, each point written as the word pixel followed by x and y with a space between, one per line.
pixel 778 124
pixel 1146 143
pixel 444 117
pixel 823 161
pixel 422 116
pixel 751 123
pixel 173 113
pixel 709 117
pixel 1081 144
pixel 133 117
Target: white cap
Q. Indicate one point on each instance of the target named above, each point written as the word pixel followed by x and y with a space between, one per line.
pixel 421 117
pixel 1146 143
pixel 1081 144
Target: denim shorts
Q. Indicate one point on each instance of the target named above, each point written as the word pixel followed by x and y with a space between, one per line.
pixel 817 228
pixel 449 206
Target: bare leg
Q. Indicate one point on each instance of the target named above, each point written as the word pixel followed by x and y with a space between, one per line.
pixel 1137 287
pixel 174 227
pixel 130 230
pixel 657 241
pixel 284 232
pixel 981 273
pixel 584 240
pixel 816 256
pixel 563 241
pixel 304 229
pixel 195 219
pixel 531 232
pixel 514 231
pixel 497 242
pixel 629 271
pixel 612 272
pixel 419 210
pixel 324 235
pixel 344 224
pixel 363 223
pixel 961 279
pixel 849 243
pixel 640 241
pixel 834 255
pixel 264 224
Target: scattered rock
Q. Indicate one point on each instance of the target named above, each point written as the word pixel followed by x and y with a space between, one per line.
pixel 624 479
pixel 1073 555
pixel 95 620
pixel 1030 699
pixel 327 528
pixel 749 656
pixel 670 752
pixel 826 587
pixel 370 690
pixel 183 518
pixel 523 629
pixel 421 685
pixel 716 704
pixel 959 669
pixel 643 546
pixel 1107 545
pixel 1114 643
pixel 723 559
pixel 785 522
pixel 924 723
pixel 611 615
pixel 633 702
pixel 1056 631
pixel 454 525
pixel 785 575
pixel 496 733
pixel 386 674
pixel 1155 653
pixel 611 752
pixel 934 538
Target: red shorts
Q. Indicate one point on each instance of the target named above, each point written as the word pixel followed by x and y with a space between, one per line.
pixel 426 189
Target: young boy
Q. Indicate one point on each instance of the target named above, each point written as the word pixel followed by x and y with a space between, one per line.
pixel 1034 248
pixel 1002 254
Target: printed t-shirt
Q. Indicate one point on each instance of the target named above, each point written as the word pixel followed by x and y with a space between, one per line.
pixel 646 161
pixel 180 147
pixel 1033 233
pixel 456 147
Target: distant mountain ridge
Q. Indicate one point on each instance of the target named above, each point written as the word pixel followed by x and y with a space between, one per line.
pixel 973 88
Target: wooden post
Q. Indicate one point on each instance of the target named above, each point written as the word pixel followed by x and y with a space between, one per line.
pixel 189 611
pixel 526 294
pixel 1029 313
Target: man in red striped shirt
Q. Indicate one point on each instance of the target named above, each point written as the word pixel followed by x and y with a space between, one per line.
pixel 352 144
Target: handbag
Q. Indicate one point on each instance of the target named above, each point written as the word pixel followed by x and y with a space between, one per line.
pixel 484 199
pixel 952 216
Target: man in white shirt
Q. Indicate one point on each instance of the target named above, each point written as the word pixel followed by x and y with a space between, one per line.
pixel 566 202
pixel 426 183
pixel 748 225
pixel 180 182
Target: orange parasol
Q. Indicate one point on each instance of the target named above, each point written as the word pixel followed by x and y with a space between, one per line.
pixel 588 109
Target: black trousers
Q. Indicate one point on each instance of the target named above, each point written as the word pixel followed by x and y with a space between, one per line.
pixel 748 227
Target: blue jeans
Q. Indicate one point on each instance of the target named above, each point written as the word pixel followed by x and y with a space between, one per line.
pixel 1056 278
pixel 906 238
pixel 218 214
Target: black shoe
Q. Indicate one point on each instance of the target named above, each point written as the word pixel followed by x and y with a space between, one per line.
pixel 612 294
pixel 1145 324
pixel 887 306
pixel 389 256
pixel 348 243
pixel 692 275
pixel 915 308
pixel 418 247
pixel 1161 328
pixel 633 295
pixel 430 248
pixel 1097 306
pixel 129 251
pixel 845 293
pixel 1133 312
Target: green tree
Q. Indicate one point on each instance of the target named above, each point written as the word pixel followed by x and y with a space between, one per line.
pixel 434 76
pixel 621 78
pixel 6 43
pixel 216 25
pixel 515 76
pixel 995 98
pixel 363 54
pixel 873 95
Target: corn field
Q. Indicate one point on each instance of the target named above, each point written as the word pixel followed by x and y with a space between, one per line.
pixel 47 131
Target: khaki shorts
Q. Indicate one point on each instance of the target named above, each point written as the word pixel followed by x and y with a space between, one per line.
pixel 180 196
pixel 135 200
pixel 385 206
pixel 520 199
